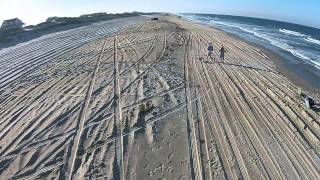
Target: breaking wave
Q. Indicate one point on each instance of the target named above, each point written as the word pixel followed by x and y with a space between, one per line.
pixel 294 33
pixel 302 46
pixel 315 41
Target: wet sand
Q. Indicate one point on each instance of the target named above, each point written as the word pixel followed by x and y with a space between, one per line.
pixel 304 79
pixel 157 108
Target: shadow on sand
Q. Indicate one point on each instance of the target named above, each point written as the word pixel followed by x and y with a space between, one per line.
pixel 211 61
pixel 249 67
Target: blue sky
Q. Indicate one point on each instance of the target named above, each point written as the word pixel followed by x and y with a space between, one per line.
pixel 34 11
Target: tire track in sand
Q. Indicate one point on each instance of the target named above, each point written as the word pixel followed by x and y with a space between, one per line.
pixel 196 169
pixel 118 117
pixel 82 118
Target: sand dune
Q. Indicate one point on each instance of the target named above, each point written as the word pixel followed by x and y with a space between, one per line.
pixel 69 109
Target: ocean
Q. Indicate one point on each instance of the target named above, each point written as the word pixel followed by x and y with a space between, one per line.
pixel 297 44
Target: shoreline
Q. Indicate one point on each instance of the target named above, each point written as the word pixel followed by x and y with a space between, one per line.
pixel 180 114
pixel 281 64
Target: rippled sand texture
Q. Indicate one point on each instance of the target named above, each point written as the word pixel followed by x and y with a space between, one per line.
pixel 71 109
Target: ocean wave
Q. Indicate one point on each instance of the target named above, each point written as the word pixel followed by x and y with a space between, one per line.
pixel 285 46
pixel 299 53
pixel 316 64
pixel 243 28
pixel 315 41
pixel 289 32
pixel 305 37
pixel 274 41
pixel 294 52
pixel 279 43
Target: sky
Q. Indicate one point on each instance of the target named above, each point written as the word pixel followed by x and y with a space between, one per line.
pixel 304 12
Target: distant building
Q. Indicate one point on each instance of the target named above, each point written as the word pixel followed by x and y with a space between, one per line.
pixel 12 24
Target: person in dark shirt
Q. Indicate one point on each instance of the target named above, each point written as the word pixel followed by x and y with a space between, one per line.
pixel 222 51
pixel 210 50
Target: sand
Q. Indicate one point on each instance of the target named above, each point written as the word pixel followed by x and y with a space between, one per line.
pixel 160 110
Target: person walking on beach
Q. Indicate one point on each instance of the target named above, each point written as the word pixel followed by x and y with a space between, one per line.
pixel 210 50
pixel 222 51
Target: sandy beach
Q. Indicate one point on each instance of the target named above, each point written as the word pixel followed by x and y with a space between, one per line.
pixel 150 105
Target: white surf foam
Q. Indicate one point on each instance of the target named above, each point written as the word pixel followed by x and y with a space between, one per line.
pixel 315 41
pixel 285 46
pixel 274 38
pixel 294 33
